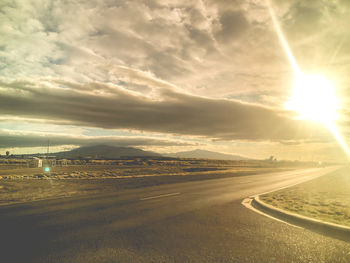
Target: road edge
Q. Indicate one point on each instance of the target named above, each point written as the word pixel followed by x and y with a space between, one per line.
pixel 255 204
pixel 297 218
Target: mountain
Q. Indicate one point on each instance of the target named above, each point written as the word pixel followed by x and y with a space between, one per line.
pixel 203 154
pixel 104 151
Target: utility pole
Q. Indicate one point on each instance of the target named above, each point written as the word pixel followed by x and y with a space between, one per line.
pixel 47 168
pixel 48 149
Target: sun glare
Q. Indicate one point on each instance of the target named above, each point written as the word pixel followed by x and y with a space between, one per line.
pixel 314 98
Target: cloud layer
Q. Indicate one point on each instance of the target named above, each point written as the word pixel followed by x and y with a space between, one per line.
pixel 10 139
pixel 168 111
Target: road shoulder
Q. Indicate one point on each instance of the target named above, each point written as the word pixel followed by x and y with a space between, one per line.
pixel 278 212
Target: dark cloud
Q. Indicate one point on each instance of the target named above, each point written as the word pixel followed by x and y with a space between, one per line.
pixel 109 106
pixel 17 139
pixel 233 24
pixel 301 142
pixel 305 17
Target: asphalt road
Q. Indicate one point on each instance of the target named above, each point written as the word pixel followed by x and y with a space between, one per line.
pixel 201 221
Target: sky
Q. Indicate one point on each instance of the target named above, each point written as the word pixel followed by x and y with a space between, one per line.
pixel 168 75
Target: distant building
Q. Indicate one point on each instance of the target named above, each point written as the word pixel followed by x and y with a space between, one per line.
pixel 35 162
pixel 49 161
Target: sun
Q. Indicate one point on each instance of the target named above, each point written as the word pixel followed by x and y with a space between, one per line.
pixel 314 98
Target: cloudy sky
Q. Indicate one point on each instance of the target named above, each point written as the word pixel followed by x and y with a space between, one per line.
pixel 168 75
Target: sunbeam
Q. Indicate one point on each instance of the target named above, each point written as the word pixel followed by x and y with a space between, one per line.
pixel 314 96
pixel 283 40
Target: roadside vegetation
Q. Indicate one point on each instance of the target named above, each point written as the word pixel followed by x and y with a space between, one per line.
pixel 138 167
pixel 326 198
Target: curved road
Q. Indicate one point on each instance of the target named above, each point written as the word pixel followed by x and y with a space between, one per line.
pixel 201 221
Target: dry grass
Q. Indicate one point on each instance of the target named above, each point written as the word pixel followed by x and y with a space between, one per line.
pixel 136 168
pixel 326 198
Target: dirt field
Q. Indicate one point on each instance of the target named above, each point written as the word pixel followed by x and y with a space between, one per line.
pixel 326 198
pixel 28 184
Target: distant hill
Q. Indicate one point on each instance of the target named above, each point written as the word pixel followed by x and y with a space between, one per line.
pixel 104 151
pixel 203 154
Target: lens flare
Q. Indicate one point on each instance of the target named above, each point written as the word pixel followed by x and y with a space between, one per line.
pixel 333 129
pixel 314 97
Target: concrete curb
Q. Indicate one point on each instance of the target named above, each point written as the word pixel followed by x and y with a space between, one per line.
pixel 319 226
